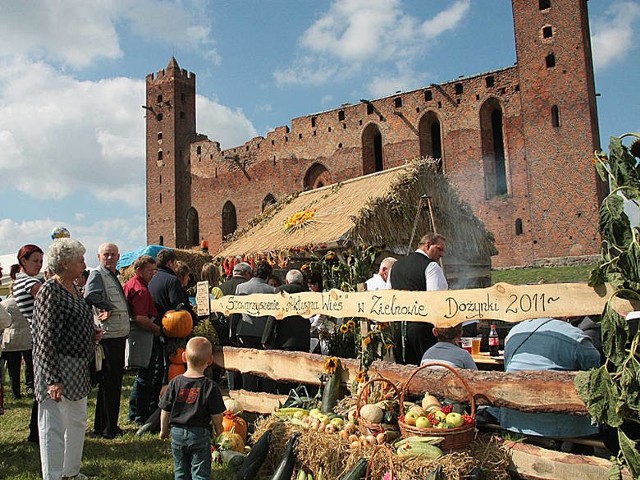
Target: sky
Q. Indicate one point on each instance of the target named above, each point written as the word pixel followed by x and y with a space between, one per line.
pixel 72 83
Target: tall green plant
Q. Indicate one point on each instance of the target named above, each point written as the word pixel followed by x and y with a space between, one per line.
pixel 612 392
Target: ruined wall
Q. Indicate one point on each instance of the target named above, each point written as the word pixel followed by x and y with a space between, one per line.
pixel 543 206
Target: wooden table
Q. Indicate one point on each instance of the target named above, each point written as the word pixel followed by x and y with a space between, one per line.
pixel 486 362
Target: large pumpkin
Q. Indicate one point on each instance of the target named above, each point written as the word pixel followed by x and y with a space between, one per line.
pixel 234 422
pixel 177 357
pixel 176 369
pixel 177 323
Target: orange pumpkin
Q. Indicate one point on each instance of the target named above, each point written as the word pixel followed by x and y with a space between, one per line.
pixel 177 323
pixel 177 357
pixel 176 369
pixel 232 422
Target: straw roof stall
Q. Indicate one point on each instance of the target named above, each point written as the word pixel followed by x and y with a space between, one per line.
pixel 377 209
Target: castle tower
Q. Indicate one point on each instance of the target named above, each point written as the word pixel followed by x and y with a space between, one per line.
pixel 171 124
pixel 559 121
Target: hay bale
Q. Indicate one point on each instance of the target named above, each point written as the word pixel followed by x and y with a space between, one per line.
pixel 320 450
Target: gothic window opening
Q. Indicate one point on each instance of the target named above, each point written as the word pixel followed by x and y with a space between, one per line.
pixel 489 81
pixel 159 100
pixel 430 136
pixel 268 200
pixel 493 148
pixel 544 4
pixel 161 240
pixel 159 135
pixel 428 95
pixel 313 122
pixel 372 152
pixel 369 108
pixel 519 227
pixel 341 115
pixel 555 116
pixel 397 102
pixel 193 228
pixel 459 88
pixel 229 220
pixel 159 155
pixel 317 176
pixel 547 32
pixel 550 60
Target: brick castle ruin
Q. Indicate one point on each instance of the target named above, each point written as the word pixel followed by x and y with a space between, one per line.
pixel 516 142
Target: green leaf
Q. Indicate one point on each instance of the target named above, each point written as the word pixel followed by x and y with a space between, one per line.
pixel 597 390
pixel 630 452
pixel 615 332
pixel 598 276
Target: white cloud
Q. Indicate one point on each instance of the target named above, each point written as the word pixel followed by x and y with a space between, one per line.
pixel 60 135
pixel 355 33
pixel 77 32
pixel 229 127
pixel 405 80
pixel 613 35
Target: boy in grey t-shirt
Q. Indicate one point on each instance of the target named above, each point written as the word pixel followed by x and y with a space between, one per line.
pixel 448 350
pixel 191 404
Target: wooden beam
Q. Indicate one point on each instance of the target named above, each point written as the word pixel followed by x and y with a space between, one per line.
pixel 525 391
pixel 536 463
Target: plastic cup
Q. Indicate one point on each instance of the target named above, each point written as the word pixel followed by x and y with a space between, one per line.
pixel 467 343
pixel 475 345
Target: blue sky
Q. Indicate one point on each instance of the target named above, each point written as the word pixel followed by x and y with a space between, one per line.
pixel 72 83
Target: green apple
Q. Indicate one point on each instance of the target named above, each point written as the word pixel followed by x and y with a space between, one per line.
pixel 423 422
pixel 440 416
pixel 410 418
pixel 314 412
pixel 454 419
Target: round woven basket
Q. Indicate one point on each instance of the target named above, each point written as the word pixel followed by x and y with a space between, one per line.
pixel 365 426
pixel 454 438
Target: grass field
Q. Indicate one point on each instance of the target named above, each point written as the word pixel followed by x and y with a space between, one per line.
pixel 148 457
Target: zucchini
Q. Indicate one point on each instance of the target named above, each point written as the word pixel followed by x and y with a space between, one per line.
pixel 288 462
pixel 331 390
pixel 357 472
pixel 255 458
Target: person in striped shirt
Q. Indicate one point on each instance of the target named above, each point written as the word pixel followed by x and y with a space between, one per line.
pixel 24 289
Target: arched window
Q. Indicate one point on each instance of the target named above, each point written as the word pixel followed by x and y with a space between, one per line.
pixel 555 116
pixel 519 227
pixel 229 221
pixel 372 160
pixel 268 200
pixel 430 136
pixel 317 176
pixel 193 228
pixel 493 150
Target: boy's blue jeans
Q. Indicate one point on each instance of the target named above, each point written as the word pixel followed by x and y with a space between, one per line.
pixel 191 452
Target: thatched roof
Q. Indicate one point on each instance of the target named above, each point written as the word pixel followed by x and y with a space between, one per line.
pixel 377 209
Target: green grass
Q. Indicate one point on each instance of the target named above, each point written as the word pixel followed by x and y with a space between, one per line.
pixel 524 276
pixel 125 458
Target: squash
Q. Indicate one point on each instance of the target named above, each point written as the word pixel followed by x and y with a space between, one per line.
pixel 176 369
pixel 357 472
pixel 177 323
pixel 256 457
pixel 232 421
pixel 372 413
pixel 331 390
pixel 233 405
pixel 288 462
pixel 230 441
pixel 176 358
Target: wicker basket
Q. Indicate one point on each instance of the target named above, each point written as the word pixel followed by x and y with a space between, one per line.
pixel 454 438
pixel 380 448
pixel 365 426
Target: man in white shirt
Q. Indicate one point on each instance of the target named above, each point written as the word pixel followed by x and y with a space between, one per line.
pixel 419 271
pixel 380 280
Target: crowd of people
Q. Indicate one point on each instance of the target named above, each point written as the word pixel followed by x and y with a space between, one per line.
pixel 74 329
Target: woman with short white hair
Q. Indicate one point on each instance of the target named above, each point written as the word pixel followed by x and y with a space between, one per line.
pixel 63 346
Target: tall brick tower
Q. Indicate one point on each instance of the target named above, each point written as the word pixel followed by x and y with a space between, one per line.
pixel 171 124
pixel 559 119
